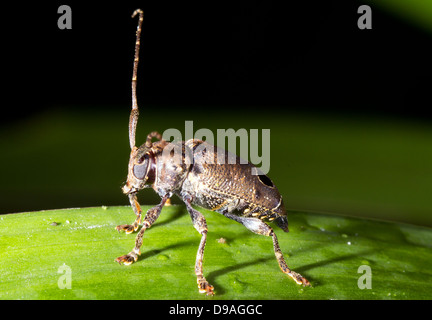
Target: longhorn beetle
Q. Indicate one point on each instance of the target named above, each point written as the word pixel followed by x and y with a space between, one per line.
pixel 209 181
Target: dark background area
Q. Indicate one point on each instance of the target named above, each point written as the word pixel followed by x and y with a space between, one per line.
pixel 301 55
pixel 303 69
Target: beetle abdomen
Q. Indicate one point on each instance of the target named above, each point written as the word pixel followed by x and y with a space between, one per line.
pixel 221 182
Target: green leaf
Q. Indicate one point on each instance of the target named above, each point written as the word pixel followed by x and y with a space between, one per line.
pixel 37 247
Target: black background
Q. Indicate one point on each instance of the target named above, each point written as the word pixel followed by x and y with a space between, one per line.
pixel 243 64
pixel 297 56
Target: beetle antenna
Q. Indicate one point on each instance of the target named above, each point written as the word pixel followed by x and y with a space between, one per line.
pixel 133 120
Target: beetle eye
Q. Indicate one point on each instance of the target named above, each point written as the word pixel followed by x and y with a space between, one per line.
pixel 144 157
pixel 140 170
pixel 265 180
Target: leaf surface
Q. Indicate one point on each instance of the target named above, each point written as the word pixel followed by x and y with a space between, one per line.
pixel 328 250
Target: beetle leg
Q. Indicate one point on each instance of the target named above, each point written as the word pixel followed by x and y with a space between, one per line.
pixel 259 227
pixel 129 228
pixel 284 267
pixel 150 217
pixel 200 225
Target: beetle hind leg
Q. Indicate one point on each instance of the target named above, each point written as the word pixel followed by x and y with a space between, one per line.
pixel 259 227
pixel 297 277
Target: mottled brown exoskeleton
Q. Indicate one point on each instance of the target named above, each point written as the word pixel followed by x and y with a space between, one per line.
pixel 203 175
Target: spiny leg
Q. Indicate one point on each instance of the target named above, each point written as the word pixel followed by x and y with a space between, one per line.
pixel 129 228
pixel 150 217
pixel 259 227
pixel 200 225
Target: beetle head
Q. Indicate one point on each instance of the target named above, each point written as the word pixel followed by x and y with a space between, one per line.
pixel 141 169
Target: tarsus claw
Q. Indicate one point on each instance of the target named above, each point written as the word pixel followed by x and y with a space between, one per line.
pixel 128 228
pixel 127 259
pixel 205 287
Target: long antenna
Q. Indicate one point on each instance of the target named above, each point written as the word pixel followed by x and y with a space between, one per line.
pixel 133 120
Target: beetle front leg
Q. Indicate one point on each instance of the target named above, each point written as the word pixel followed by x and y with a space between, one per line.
pixel 150 217
pixel 129 228
pixel 200 225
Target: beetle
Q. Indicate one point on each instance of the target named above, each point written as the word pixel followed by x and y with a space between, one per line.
pixel 203 175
